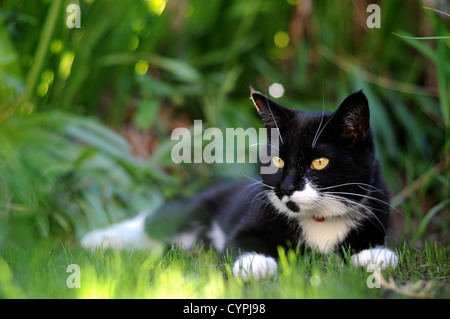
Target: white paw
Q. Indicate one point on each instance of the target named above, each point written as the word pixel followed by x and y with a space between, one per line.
pixel 127 234
pixel 379 256
pixel 254 266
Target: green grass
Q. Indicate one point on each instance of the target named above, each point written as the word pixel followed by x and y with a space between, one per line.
pixel 41 272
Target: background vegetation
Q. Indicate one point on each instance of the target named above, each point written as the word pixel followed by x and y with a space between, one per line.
pixel 86 114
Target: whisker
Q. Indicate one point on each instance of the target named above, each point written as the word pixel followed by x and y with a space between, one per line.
pixel 263 197
pixel 366 208
pixel 321 130
pixel 365 196
pixel 316 136
pixel 352 214
pixel 257 181
pixel 273 118
pixel 347 184
pixel 268 144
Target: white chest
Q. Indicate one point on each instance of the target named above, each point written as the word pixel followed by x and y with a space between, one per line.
pixel 325 235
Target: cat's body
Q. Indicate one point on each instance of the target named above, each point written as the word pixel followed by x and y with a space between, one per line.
pixel 326 192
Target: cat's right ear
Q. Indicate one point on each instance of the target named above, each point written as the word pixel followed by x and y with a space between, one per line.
pixel 353 118
pixel 273 114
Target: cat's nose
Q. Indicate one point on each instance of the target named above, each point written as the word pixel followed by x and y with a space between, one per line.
pixel 287 186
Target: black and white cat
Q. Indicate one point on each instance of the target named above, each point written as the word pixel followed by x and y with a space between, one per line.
pixel 326 193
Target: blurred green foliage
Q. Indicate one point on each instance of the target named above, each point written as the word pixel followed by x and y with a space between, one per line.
pixel 75 104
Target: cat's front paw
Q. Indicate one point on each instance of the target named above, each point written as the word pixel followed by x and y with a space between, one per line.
pixel 254 266
pixel 380 256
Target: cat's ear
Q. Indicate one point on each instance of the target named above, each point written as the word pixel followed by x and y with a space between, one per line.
pixel 273 114
pixel 352 118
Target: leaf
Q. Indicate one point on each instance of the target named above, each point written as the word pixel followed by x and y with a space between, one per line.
pixel 43 45
pixel 431 213
pixel 423 48
pixel 62 221
pixel 146 114
pixel 11 85
pixel 443 78
pixel 381 122
pixel 421 38
pixel 103 139
pixel 43 224
pixel 180 69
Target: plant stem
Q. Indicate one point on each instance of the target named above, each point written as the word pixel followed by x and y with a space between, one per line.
pixel 41 52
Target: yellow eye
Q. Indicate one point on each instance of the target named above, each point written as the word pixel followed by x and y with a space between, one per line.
pixel 278 162
pixel 320 163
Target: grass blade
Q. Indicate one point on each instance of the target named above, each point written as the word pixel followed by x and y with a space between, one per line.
pixel 43 46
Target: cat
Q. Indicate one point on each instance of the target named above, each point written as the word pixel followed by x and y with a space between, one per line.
pixel 326 193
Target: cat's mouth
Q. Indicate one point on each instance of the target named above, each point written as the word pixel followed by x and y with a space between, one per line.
pixel 302 204
pixel 304 201
pixel 296 209
pixel 309 204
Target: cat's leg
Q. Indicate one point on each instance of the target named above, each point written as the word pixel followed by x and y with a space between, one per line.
pixel 379 256
pixel 127 234
pixel 179 222
pixel 254 266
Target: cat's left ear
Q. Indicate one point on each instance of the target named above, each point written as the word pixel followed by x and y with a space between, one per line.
pixel 352 118
pixel 273 114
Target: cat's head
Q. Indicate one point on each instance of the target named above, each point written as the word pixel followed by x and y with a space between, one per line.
pixel 323 160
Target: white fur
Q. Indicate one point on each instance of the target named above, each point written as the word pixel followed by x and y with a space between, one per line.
pixel 127 234
pixel 280 205
pixel 324 236
pixel 186 240
pixel 379 256
pixel 254 266
pixel 305 198
pixel 217 236
pixel 131 234
pixel 311 203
